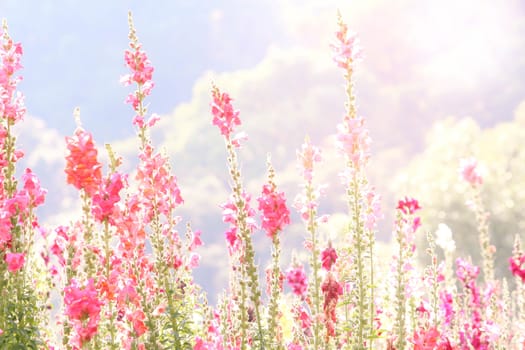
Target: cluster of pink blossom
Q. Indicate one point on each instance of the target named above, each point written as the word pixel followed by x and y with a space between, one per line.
pixel 274 212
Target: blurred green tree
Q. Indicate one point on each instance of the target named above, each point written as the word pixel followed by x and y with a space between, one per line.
pixel 433 177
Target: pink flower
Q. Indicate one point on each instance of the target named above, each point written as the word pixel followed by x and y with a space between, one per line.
pixel 159 189
pixel 106 198
pixel 346 47
pixel 408 205
pixel 466 272
pixel 328 257
pixel 373 213
pixel 469 171
pixel 224 116
pixel 32 187
pixel 517 266
pixel 83 309
pixel 14 261
pixel 426 339
pixel 11 101
pixel 296 278
pixel 139 64
pixel 137 319
pixel 230 215
pixel 83 170
pixel 274 213
pixel 308 156
pixel 353 141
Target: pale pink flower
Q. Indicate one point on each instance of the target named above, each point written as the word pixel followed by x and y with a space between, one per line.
pixel 14 261
pixel 373 213
pixel 308 156
pixel 353 141
pixel 159 189
pixel 230 215
pixel 32 187
pixel 274 213
pixel 346 47
pixel 469 172
pixel 224 116
pixel 11 101
pixel 83 169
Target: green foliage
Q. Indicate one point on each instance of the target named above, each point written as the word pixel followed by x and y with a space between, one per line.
pixel 433 177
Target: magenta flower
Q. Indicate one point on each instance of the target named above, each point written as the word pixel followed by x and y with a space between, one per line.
pixel 408 205
pixel 469 171
pixel 275 215
pixel 517 266
pixel 14 261
pixel 328 257
pixel 296 278
pixel 224 116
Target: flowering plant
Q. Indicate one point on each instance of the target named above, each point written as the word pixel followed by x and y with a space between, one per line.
pixel 123 271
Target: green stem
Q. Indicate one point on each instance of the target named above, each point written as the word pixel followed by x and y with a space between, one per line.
pixel 312 228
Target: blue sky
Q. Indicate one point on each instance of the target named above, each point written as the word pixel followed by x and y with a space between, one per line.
pixel 74 53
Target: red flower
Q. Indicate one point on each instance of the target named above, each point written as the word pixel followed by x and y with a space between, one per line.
pixel 332 289
pixel 82 167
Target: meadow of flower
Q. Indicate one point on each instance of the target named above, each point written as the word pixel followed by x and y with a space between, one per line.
pixel 121 275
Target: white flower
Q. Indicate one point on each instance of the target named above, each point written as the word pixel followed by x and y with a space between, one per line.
pixel 444 238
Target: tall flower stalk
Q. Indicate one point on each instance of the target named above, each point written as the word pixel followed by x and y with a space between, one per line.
pixel 21 312
pixel 274 217
pixel 240 216
pixel 353 143
pixel 307 203
pixel 405 228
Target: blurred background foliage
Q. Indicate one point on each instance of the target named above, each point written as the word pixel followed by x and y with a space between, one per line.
pixel 432 176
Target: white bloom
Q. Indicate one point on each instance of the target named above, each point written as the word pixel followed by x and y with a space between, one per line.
pixel 444 238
